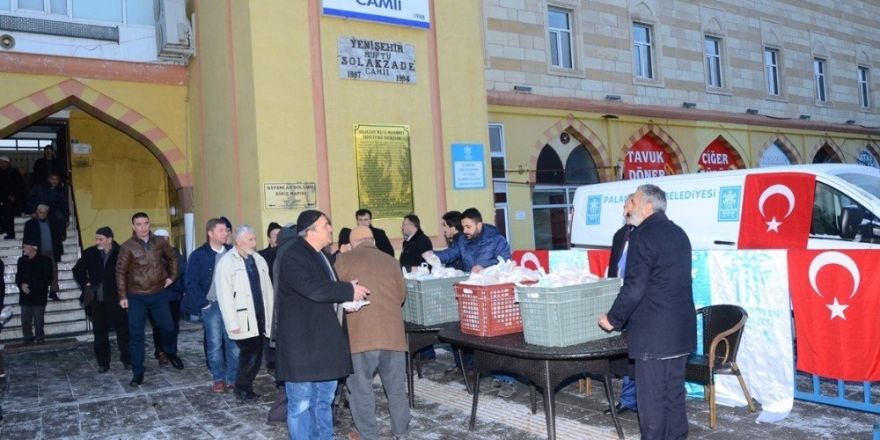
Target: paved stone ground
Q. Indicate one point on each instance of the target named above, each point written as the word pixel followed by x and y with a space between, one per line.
pixel 59 394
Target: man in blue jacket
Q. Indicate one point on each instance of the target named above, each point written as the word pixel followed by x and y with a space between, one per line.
pixel 656 305
pixel 201 299
pixel 482 246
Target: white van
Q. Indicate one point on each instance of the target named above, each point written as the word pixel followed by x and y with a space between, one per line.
pixel 840 212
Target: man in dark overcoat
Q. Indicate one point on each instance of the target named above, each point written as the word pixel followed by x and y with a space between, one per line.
pixel 95 273
pixel 312 349
pixel 656 305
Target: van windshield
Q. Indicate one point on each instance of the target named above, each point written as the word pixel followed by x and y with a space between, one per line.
pixel 868 183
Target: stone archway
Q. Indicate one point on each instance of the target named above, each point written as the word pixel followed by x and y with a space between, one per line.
pixel 583 134
pixel 788 147
pixel 831 148
pixel 39 105
pixel 661 136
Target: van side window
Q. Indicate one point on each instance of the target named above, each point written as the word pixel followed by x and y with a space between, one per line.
pixel 838 216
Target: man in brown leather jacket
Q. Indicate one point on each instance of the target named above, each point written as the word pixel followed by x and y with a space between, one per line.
pixel 146 266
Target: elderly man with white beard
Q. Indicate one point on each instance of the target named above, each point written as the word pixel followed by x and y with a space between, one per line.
pixel 245 295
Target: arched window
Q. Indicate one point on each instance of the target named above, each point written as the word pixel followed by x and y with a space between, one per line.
pixel 826 154
pixel 580 169
pixel 550 171
pixel 775 156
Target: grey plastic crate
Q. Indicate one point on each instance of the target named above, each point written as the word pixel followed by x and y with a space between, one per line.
pixel 563 316
pixel 430 302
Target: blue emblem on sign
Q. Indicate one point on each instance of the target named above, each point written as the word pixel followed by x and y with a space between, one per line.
pixel 729 201
pixel 594 209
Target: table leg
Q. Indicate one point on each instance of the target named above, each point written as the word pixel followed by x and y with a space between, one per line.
pixel 409 381
pixel 549 407
pixel 532 398
pixel 609 393
pixel 475 401
pixel 464 372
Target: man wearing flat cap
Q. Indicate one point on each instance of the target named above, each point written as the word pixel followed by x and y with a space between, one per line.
pixel 32 277
pixel 95 272
pixel 311 340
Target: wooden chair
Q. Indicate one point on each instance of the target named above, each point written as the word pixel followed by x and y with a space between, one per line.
pixel 723 326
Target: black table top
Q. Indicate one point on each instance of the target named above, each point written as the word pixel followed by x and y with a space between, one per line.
pixel 409 327
pixel 515 345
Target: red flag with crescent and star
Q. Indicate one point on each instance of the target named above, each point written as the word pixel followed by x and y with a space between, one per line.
pixel 777 210
pixel 836 300
pixel 532 259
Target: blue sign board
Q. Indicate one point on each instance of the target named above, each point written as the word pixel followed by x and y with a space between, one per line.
pixel 468 166
pixel 415 13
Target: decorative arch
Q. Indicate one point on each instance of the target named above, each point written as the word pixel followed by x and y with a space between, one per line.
pixel 789 148
pixel 738 161
pixel 829 144
pixel 41 104
pixel 873 150
pixel 660 135
pixel 586 136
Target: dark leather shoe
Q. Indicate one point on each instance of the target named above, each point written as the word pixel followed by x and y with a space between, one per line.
pixel 102 369
pixel 136 380
pixel 176 362
pixel 246 396
pixel 163 359
pixel 619 409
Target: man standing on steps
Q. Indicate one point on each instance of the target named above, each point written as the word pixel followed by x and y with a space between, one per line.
pixel 32 276
pixel 45 233
pixel 146 267
pixel 11 197
pixel 95 273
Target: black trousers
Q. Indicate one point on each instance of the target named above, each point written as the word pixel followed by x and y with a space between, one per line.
pixel 270 354
pixel 661 398
pixel 107 315
pixel 157 335
pixel 8 211
pixel 250 356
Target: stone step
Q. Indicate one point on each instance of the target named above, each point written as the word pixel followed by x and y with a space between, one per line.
pixel 65 295
pixel 11 260
pixel 69 248
pixel 62 266
pixel 51 329
pixel 62 285
pixel 9 278
pixel 51 316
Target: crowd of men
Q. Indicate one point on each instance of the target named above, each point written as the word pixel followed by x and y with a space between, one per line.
pixel 292 304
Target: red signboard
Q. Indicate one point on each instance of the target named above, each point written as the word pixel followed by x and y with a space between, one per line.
pixel 718 156
pixel 648 158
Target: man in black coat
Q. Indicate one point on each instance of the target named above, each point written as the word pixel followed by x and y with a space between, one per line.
pixel 311 339
pixel 46 165
pixel 95 273
pixel 364 217
pixel 656 305
pixel 11 196
pixel 415 243
pixel 42 231
pixel 268 253
pixel 53 194
pixel 33 275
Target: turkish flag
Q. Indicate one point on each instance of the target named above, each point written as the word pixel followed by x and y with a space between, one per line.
pixel 599 260
pixel 532 259
pixel 777 210
pixel 836 300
